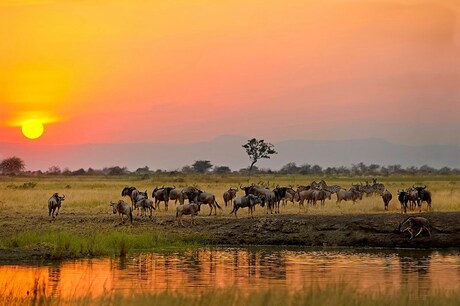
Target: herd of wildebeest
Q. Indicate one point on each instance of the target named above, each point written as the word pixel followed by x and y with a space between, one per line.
pixel 264 196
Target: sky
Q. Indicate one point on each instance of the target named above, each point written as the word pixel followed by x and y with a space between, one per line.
pixel 96 71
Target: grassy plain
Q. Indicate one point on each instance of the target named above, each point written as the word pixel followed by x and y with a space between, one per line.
pixel 87 227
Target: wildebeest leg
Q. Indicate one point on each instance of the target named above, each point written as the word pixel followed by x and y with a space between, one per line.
pixel 421 229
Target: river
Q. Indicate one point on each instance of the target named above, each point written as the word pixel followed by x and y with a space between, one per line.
pixel 205 269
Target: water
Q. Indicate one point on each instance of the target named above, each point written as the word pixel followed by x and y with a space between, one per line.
pixel 202 270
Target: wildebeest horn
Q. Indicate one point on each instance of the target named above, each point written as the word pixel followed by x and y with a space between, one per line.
pixel 424 187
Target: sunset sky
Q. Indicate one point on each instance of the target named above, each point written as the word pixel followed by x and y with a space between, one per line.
pixel 96 71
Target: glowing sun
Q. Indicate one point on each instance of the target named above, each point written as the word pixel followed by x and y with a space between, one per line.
pixel 32 129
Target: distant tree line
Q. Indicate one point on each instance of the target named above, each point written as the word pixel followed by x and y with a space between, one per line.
pixel 16 166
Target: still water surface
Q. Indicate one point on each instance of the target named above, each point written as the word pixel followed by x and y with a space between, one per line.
pixel 197 271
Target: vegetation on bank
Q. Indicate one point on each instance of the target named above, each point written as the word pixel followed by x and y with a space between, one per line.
pixel 338 294
pixel 67 245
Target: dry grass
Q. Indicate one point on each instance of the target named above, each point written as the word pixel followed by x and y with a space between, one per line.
pixel 91 195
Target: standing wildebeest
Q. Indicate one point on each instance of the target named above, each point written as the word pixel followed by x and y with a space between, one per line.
pixel 229 195
pixel 386 196
pixel 320 195
pixel 412 198
pixel 201 197
pixel 302 195
pixel 53 203
pixel 267 194
pixel 122 208
pixel 379 188
pixel 131 192
pixel 402 198
pixel 351 194
pixel 248 201
pixel 145 204
pixel 191 209
pixel 423 196
pixel 161 195
pixel 414 224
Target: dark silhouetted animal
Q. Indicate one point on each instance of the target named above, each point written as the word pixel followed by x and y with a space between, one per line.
pixel 415 225
pixel 53 203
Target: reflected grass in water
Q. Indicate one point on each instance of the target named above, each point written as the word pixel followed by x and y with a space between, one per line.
pixel 338 294
pixel 64 245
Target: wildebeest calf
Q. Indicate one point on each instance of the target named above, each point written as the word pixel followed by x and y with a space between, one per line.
pixel 122 208
pixel 144 204
pixel 414 224
pixel 191 209
pixel 55 202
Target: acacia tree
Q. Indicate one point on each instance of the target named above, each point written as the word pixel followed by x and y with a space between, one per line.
pixel 12 165
pixel 258 149
pixel 202 166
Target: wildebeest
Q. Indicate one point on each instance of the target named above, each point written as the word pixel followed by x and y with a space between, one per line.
pixel 351 194
pixel 191 209
pixel 386 197
pixel 248 201
pixel 379 188
pixel 302 195
pixel 229 195
pixel 402 198
pixel 319 195
pixel 161 195
pixel 201 197
pixel 414 224
pixel 122 208
pixel 144 204
pixel 424 195
pixel 131 192
pixel 55 202
pixel 289 196
pixel 267 194
pixel 174 194
pixel 412 198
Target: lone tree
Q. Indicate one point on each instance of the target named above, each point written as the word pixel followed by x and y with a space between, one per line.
pixel 257 149
pixel 12 165
pixel 202 166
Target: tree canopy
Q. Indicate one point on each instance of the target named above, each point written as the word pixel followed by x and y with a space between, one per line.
pixel 258 149
pixel 12 165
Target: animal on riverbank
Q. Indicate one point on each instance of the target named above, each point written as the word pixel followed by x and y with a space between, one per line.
pixel 200 197
pixel 352 194
pixel 424 195
pixel 131 192
pixel 386 197
pixel 402 198
pixel 191 209
pixel 123 209
pixel 145 205
pixel 248 201
pixel 55 202
pixel 415 225
pixel 162 195
pixel 229 195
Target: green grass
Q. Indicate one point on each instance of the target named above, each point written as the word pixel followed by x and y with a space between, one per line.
pixel 65 245
pixel 332 295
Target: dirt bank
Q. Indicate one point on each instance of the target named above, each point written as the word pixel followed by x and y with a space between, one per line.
pixel 373 230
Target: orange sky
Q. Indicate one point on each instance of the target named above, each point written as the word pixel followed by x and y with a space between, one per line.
pixel 185 71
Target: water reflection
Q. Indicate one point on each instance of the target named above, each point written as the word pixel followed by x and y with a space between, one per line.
pixel 196 271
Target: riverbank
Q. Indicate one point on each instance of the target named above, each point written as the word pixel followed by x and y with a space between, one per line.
pixel 79 235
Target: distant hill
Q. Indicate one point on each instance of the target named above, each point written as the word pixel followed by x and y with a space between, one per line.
pixel 227 151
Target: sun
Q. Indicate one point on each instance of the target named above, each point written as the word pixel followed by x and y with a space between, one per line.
pixel 32 129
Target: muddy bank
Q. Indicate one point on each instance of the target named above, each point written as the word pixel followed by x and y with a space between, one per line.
pixel 346 230
pixel 373 230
